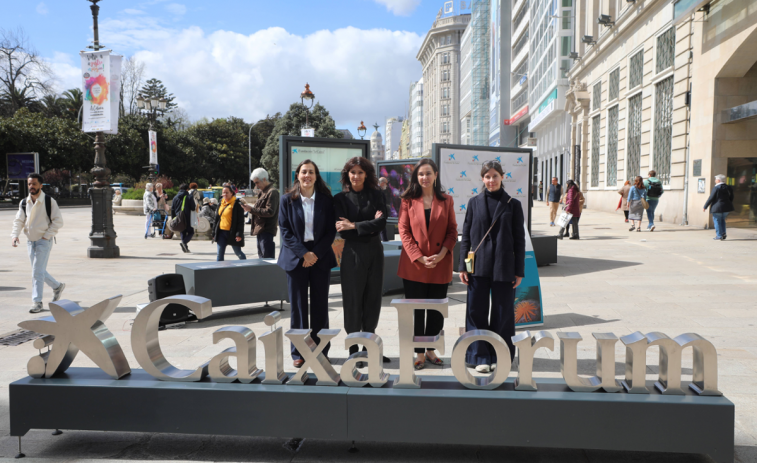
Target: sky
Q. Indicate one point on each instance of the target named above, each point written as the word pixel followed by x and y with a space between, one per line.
pixel 247 58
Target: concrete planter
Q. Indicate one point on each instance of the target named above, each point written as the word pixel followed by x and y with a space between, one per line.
pixel 131 207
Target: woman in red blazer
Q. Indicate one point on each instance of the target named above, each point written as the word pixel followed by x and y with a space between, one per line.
pixel 428 230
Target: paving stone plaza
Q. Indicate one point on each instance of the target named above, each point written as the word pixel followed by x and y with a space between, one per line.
pixel 675 280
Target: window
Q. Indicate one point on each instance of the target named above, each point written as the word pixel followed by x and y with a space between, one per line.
pixel 634 137
pixel 666 49
pixel 564 68
pixel 663 129
pixel 567 3
pixel 595 151
pixel 596 96
pixel 636 70
pixel 564 46
pixel 612 146
pixel 566 20
pixel 445 92
pixel 614 85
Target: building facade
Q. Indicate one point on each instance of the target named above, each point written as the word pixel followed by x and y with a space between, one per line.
pixel 393 133
pixel 520 33
pixel 466 66
pixel 377 145
pixel 439 56
pixel 628 101
pixel 416 119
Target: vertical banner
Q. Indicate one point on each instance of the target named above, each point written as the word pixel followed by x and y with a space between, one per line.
pixel 96 79
pixel 460 174
pixel 115 92
pixel 153 146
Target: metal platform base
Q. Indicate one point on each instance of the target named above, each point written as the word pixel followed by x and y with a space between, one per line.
pixel 441 412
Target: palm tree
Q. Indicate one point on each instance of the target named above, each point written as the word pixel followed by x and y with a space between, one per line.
pixel 14 99
pixel 52 105
pixel 73 100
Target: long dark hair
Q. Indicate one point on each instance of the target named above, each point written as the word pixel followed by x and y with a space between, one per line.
pixel 319 185
pixel 571 184
pixel 415 190
pixel 371 182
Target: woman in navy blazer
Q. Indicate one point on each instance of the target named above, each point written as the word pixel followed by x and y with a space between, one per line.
pixel 499 264
pixel 308 228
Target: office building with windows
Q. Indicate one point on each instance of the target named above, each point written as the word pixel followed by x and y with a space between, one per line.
pixel 439 56
pixel 416 119
pixel 520 76
pixel 393 133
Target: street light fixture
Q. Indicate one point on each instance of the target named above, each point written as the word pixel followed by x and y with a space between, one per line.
pixel 310 96
pixel 361 130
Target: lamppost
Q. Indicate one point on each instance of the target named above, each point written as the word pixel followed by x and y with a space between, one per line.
pixel 102 236
pixel 307 95
pixel 361 130
pixel 149 106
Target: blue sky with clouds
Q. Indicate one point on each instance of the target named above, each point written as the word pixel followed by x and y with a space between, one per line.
pixel 248 58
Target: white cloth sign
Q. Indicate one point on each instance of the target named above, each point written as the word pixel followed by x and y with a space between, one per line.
pixel 460 174
pixel 96 83
pixel 153 148
pixel 115 92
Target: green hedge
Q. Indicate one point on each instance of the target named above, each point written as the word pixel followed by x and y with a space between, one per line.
pixel 139 193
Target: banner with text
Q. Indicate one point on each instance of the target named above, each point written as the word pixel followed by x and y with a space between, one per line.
pixel 115 92
pixel 153 146
pixel 96 82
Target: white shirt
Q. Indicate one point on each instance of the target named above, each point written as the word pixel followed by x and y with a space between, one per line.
pixel 35 223
pixel 308 207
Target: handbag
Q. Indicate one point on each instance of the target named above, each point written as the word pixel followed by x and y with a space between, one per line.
pixel 644 203
pixel 179 223
pixel 564 219
pixel 470 262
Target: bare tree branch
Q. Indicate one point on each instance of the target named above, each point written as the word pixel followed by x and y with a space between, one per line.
pixel 24 76
pixel 132 77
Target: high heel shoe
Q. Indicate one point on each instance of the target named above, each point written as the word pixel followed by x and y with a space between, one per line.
pixel 435 361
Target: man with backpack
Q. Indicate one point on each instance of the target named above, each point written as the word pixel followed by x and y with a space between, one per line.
pixel 654 189
pixel 181 208
pixel 40 218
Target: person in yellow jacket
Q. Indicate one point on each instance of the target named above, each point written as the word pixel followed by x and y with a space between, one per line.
pixel 229 227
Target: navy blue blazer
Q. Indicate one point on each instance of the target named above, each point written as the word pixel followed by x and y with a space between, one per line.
pixel 509 260
pixel 292 225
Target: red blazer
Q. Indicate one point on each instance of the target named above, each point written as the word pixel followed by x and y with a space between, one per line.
pixel 417 241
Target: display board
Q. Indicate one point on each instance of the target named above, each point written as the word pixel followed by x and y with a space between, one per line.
pixel 329 154
pixel 20 165
pixel 460 174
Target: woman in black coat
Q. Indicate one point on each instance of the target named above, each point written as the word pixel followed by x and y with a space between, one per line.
pixel 720 203
pixel 229 226
pixel 499 267
pixel 361 212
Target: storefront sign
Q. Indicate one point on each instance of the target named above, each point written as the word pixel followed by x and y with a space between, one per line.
pixel 517 116
pixel 76 329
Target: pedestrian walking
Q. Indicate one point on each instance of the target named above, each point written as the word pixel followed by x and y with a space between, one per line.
pixel 388 196
pixel 229 226
pixel 494 231
pixel 541 192
pixel 184 203
pixel 40 218
pixel 574 205
pixel 428 229
pixel 162 198
pixel 637 198
pixel 265 214
pixel 149 205
pixel 654 188
pixel 553 200
pixel 623 204
pixel 308 229
pixel 360 212
pixel 720 203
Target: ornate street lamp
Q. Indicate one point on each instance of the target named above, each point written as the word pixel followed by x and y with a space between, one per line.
pixel 361 130
pixel 310 96
pixel 102 235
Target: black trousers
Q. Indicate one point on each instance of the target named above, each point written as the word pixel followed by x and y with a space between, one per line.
pixel 501 319
pixel 566 230
pixel 426 322
pixel 266 246
pixel 626 214
pixel 187 234
pixel 318 280
pixel 362 272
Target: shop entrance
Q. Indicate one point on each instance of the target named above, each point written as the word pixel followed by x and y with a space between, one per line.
pixel 742 177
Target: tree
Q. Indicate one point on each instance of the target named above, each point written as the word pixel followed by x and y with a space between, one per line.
pixel 154 89
pixel 52 106
pixel 24 75
pixel 290 124
pixel 132 76
pixel 220 147
pixel 73 99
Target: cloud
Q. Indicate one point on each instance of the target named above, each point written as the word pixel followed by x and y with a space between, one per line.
pixel 67 71
pixel 42 8
pixel 133 11
pixel 176 9
pixel 356 74
pixel 400 7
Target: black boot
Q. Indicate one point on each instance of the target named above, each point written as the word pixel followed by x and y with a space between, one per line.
pixel 560 233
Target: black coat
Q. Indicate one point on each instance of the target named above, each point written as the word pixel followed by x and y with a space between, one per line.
pixel 509 260
pixel 292 226
pixel 189 205
pixel 237 224
pixel 721 199
pixel 366 226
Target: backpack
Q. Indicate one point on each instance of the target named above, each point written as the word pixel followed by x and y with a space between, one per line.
pixel 655 189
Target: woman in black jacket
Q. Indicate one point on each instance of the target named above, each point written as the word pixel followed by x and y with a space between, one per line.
pixel 361 212
pixel 499 264
pixel 229 226
pixel 721 204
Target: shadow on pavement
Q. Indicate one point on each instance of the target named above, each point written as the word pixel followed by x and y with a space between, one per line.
pixel 569 265
pixel 567 320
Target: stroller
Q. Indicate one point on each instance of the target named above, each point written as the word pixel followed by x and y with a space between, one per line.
pixel 159 221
